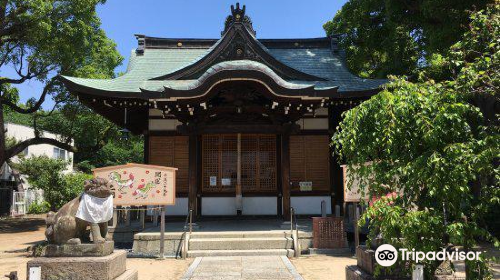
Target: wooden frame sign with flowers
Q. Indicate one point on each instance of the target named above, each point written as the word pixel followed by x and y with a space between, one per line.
pixel 140 184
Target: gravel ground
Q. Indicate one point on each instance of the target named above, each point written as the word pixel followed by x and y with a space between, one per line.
pixel 320 267
pixel 18 234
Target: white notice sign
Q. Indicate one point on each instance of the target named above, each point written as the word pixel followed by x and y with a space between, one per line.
pixel 35 273
pixel 306 186
pixel 226 181
pixel 213 181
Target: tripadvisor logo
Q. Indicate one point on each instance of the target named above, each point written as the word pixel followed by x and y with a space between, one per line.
pixel 386 255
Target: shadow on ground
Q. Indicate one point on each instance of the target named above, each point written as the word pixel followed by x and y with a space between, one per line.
pixel 13 225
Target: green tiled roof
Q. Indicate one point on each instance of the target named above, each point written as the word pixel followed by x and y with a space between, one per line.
pixel 320 62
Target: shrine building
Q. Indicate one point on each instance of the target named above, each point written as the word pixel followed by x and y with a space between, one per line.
pixel 247 121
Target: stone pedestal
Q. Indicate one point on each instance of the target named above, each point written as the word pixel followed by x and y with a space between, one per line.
pixel 365 258
pixel 365 268
pixel 79 250
pixel 110 267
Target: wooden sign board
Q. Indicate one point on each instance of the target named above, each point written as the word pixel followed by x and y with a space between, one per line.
pixel 140 184
pixel 354 193
pixel 305 186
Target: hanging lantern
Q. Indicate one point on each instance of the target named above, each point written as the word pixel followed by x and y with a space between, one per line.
pixel 125 132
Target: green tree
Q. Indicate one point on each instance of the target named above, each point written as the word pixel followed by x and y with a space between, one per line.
pixel 437 142
pixel 98 141
pixel 383 37
pixel 41 39
pixel 46 174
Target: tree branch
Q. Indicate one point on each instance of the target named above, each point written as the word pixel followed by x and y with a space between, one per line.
pixel 35 107
pixel 16 149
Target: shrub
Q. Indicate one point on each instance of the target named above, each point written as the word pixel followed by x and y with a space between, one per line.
pixel 46 174
pixel 39 207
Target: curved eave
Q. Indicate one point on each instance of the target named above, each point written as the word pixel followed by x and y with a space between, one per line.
pixel 77 88
pixel 331 93
pixel 278 90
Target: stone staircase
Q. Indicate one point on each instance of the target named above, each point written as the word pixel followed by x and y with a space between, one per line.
pixel 240 244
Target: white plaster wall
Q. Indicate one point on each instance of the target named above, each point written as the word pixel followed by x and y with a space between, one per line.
pixel 306 205
pixel 155 112
pixel 163 124
pixel 179 209
pixel 260 206
pixel 213 206
pixel 21 133
pixel 319 123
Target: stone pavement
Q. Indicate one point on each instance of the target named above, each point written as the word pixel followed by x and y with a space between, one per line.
pixel 242 268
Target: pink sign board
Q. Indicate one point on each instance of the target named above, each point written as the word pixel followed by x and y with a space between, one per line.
pixel 140 184
pixel 352 194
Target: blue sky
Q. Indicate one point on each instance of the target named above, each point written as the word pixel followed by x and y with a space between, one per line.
pixel 121 19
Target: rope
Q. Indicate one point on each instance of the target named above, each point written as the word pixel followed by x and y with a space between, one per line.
pixel 137 209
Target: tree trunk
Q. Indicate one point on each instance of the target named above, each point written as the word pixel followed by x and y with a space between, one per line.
pixel 2 136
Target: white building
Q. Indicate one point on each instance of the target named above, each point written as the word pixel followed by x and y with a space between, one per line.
pixel 22 132
pixel 8 181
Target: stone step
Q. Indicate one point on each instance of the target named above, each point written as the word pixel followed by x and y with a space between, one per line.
pixel 254 243
pixel 226 253
pixel 241 234
pixel 129 274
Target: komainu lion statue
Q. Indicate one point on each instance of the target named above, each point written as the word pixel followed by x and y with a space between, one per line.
pixel 69 224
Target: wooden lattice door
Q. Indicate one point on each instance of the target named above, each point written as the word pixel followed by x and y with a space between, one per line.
pixel 219 163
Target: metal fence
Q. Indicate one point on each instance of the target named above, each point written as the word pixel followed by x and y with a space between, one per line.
pixel 22 200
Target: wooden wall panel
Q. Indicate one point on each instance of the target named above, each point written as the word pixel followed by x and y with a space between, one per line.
pixel 267 162
pixel 310 161
pixel 172 151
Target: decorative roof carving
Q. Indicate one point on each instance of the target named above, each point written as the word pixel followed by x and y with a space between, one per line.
pixel 238 16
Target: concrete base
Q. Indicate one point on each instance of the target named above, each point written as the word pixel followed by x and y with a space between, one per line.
pixel 80 250
pixel 148 244
pixel 109 267
pixel 124 234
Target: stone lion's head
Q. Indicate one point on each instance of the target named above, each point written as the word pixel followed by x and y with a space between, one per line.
pixel 98 187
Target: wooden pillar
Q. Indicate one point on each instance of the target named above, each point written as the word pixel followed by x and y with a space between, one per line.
pixel 193 174
pixel 239 193
pixel 285 174
pixel 336 173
